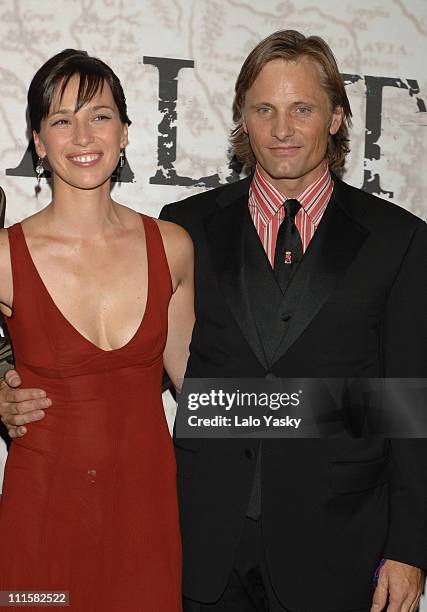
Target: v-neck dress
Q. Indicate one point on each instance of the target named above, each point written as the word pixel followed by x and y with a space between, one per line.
pixel 89 502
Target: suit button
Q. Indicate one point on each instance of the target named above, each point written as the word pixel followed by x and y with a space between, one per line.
pixel 250 453
pixel 286 317
pixel 270 376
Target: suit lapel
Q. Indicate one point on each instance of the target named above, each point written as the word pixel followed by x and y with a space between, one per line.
pixel 247 282
pixel 226 232
pixel 330 253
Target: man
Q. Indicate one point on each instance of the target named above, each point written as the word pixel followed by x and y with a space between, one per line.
pixel 298 524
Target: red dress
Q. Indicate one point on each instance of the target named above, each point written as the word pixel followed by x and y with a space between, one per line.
pixel 89 499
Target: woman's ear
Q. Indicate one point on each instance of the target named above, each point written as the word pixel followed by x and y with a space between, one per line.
pixel 38 144
pixel 124 140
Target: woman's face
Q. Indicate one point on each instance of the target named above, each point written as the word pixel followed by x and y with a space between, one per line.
pixel 82 147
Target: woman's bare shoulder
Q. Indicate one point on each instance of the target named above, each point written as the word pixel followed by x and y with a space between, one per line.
pixel 4 243
pixel 174 235
pixel 5 271
pixel 179 250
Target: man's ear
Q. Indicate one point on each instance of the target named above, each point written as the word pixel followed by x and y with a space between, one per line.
pixel 39 146
pixel 336 120
pixel 245 129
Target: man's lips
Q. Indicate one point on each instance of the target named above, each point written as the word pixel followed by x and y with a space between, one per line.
pixel 85 160
pixel 284 151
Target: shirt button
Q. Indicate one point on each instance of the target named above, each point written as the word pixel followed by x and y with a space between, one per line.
pixel 250 453
pixel 286 317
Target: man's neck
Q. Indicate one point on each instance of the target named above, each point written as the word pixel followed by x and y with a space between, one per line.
pixel 294 187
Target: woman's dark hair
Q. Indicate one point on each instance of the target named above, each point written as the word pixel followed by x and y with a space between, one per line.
pixel 57 72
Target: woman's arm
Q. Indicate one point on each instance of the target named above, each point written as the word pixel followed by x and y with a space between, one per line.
pixel 17 406
pixel 6 284
pixel 179 252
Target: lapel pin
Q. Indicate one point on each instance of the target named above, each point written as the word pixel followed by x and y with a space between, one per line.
pixel 288 257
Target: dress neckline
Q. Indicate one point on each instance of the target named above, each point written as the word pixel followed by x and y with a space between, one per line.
pixel 64 318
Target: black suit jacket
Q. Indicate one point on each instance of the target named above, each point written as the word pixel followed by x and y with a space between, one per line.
pixel 355 308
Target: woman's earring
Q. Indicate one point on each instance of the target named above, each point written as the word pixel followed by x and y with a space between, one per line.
pixel 39 173
pixel 122 158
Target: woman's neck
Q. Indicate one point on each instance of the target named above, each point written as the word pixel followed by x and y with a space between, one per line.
pixel 81 213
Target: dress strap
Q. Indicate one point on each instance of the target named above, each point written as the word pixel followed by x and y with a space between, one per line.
pixel 156 253
pixel 18 260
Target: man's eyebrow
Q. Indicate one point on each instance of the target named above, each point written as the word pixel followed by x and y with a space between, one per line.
pixel 306 101
pixel 255 104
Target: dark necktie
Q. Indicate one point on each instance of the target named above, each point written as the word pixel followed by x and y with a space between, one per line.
pixel 287 255
pixel 288 251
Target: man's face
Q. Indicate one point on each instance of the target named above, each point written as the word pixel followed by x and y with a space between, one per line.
pixel 288 119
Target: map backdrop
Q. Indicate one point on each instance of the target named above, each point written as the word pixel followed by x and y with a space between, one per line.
pixel 178 61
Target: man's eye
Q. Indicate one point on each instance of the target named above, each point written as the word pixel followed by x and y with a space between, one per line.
pixel 263 110
pixel 303 110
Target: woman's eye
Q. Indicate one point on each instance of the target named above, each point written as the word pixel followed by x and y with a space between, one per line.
pixel 101 117
pixel 61 122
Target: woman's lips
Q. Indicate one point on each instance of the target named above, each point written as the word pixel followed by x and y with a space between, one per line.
pixel 85 160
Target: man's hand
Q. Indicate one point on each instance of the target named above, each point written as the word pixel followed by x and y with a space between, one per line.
pixel 400 585
pixel 20 406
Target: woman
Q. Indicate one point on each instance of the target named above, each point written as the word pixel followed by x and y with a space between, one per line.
pixel 98 298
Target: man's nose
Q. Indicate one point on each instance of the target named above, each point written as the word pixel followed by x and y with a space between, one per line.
pixel 282 126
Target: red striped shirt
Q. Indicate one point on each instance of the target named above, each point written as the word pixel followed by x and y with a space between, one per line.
pixel 267 212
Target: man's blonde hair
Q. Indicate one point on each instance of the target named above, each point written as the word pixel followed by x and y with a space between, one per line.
pixel 290 46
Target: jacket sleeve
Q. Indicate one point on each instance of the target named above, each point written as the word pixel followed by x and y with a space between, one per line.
pixel 404 350
pixel 165 213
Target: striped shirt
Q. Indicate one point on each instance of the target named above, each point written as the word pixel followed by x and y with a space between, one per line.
pixel 267 212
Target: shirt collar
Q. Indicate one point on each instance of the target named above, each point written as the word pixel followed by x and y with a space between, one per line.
pixel 268 199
